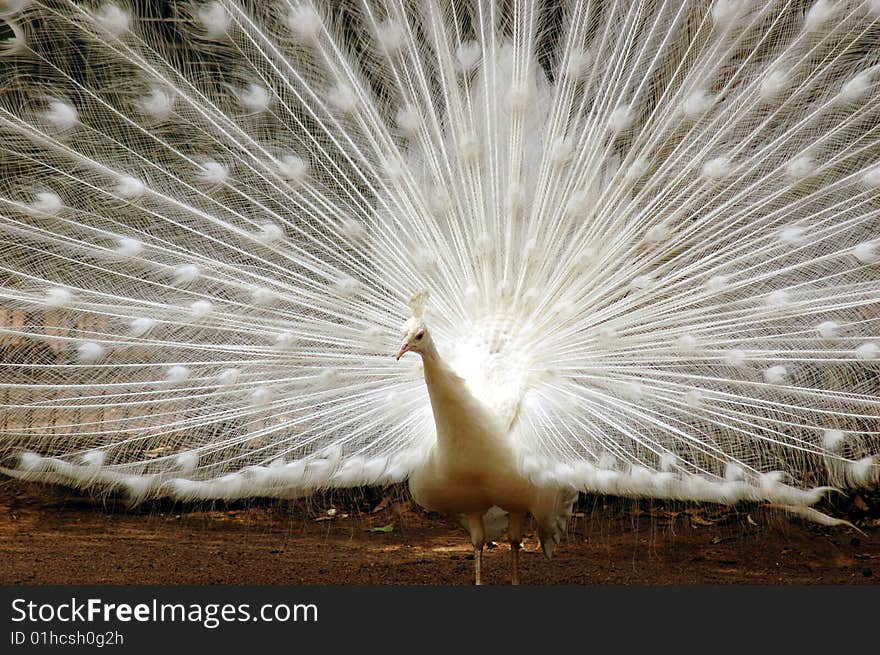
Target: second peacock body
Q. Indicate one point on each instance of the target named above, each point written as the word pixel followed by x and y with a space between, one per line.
pixel 650 231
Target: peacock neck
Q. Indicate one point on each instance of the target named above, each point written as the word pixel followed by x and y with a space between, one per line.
pixel 455 409
pixel 438 374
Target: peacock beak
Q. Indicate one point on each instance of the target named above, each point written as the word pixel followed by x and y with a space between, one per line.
pixel 403 348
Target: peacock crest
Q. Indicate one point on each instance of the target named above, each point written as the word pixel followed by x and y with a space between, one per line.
pixel 418 302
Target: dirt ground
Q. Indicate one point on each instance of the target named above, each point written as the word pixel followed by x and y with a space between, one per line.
pixel 52 536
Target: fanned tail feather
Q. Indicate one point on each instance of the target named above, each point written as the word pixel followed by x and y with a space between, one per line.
pixel 650 230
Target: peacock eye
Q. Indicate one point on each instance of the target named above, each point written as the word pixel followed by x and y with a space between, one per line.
pixel 419 336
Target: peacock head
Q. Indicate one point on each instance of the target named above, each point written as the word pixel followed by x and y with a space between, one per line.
pixel 414 332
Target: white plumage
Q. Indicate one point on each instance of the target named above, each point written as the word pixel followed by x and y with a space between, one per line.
pixel 650 231
pixel 473 467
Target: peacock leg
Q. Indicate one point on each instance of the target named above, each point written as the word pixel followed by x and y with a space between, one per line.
pixel 478 539
pixel 514 534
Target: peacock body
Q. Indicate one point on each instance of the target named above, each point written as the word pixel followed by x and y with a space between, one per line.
pixel 650 231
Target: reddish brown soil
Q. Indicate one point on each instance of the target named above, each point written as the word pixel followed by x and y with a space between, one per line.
pixel 51 536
